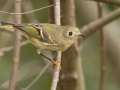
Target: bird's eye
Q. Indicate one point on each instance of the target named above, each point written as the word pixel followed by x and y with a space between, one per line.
pixel 70 34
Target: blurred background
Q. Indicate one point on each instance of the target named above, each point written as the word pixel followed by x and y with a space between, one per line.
pixel 31 64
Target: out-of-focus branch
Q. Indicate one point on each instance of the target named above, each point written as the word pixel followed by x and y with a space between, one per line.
pixel 37 77
pixel 51 13
pixel 92 27
pixel 27 12
pixel 57 20
pixel 72 77
pixel 102 52
pixel 57 12
pixel 27 6
pixel 16 53
pixel 112 2
pixel 9 48
pixel 5 7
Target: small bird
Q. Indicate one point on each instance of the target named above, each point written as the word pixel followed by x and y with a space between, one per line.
pixel 47 36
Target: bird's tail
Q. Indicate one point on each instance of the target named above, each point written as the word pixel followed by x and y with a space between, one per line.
pixel 10 27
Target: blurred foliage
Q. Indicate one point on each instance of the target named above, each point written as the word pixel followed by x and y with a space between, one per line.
pixel 31 63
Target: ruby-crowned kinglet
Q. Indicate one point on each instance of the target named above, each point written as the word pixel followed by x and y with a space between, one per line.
pixel 47 36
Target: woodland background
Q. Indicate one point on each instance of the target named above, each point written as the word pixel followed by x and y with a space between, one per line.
pixel 90 50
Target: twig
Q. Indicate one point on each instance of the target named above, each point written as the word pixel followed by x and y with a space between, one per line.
pixel 37 77
pixel 16 53
pixel 56 71
pixel 102 52
pixel 92 27
pixel 27 12
pixel 57 12
pixel 59 53
pixel 112 2
pixel 27 5
pixel 9 48
pixel 7 6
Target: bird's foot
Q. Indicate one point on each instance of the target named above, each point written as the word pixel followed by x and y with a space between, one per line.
pixel 56 63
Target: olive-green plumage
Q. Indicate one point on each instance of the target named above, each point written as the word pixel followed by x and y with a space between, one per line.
pixel 47 36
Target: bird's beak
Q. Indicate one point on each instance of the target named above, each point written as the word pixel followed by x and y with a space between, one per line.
pixel 80 35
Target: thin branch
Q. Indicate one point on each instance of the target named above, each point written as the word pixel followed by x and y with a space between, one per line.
pixel 51 18
pixel 72 76
pixel 37 77
pixel 57 12
pixel 7 6
pixel 112 2
pixel 27 12
pixel 102 52
pixel 56 71
pixel 59 53
pixel 16 53
pixel 27 5
pixel 9 48
pixel 92 27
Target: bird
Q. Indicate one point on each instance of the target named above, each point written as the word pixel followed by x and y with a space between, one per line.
pixel 45 36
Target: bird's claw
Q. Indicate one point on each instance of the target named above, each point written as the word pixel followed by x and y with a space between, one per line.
pixel 56 63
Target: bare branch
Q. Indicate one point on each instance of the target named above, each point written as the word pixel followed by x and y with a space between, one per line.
pixel 27 6
pixel 102 51
pixel 7 6
pixel 92 27
pixel 59 53
pixel 72 76
pixel 9 48
pixel 27 12
pixel 57 12
pixel 112 2
pixel 16 53
pixel 37 77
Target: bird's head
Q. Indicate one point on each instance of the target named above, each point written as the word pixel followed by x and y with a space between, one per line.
pixel 70 34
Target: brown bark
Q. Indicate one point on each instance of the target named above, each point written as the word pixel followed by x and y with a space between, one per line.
pixel 16 53
pixel 92 27
pixel 102 52
pixel 51 12
pixel 71 74
pixel 112 2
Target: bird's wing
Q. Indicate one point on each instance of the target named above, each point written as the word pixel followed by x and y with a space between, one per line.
pixel 43 34
pixel 32 30
pixel 37 32
pixel 44 45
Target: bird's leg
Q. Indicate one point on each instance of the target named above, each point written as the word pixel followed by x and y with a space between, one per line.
pixel 54 62
pixel 57 63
